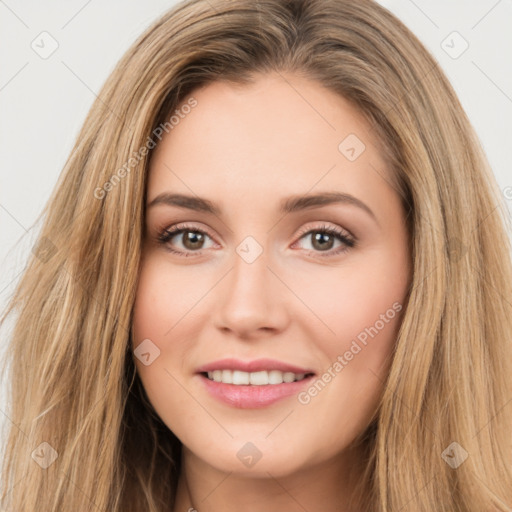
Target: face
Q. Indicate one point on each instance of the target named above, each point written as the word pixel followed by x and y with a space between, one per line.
pixel 269 297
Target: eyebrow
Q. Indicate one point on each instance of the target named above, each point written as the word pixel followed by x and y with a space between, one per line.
pixel 289 205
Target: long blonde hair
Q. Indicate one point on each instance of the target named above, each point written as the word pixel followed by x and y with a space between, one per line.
pixel 73 383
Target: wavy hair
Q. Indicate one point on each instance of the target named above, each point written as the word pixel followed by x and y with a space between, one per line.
pixel 72 381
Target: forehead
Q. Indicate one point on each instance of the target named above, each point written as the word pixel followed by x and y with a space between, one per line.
pixel 280 133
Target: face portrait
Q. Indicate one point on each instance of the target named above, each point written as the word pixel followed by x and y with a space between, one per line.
pixel 275 265
pixel 274 271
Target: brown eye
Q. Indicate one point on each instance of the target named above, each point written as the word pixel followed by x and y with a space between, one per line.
pixel 327 241
pixel 184 240
pixel 322 241
pixel 192 240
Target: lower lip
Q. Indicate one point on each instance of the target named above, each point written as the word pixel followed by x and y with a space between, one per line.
pixel 250 396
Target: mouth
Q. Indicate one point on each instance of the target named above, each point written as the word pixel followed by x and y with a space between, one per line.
pixel 253 384
pixel 259 378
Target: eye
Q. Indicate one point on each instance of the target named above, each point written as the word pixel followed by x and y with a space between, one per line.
pixel 324 238
pixel 192 239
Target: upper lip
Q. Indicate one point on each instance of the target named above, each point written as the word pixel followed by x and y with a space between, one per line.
pixel 251 366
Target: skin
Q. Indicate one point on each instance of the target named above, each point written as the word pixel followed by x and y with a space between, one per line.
pixel 246 148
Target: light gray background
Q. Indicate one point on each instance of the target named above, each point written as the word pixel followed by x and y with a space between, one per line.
pixel 43 102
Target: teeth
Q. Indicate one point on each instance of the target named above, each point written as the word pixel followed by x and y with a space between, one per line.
pixel 258 378
pixel 261 378
pixel 275 377
pixel 240 377
pixel 288 377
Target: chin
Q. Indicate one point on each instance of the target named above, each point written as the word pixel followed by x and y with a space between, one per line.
pixel 255 458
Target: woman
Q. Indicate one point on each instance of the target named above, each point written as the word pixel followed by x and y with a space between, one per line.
pixel 332 333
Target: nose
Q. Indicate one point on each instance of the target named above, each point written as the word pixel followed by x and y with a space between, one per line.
pixel 253 301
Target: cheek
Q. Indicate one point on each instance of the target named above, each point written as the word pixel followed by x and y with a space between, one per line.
pixel 169 312
pixel 362 308
pixel 156 309
pixel 163 298
pixel 366 314
pixel 360 302
pixel 164 313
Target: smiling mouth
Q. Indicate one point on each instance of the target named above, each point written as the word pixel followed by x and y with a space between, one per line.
pixel 259 378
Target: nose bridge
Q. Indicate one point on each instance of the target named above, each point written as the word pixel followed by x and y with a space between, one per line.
pixel 249 280
pixel 251 300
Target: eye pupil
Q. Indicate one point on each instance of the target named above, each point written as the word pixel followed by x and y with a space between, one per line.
pixel 320 238
pixel 193 239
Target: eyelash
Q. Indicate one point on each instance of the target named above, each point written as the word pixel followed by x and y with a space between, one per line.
pixel 167 234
